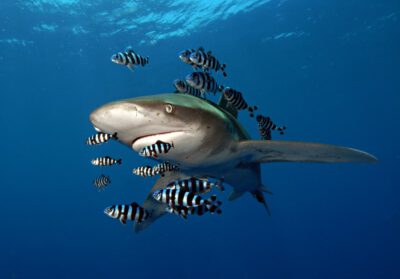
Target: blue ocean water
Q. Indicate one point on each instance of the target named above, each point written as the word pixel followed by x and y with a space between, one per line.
pixel 328 70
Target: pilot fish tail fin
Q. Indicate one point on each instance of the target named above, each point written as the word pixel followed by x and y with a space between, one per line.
pixel 306 152
pixel 223 66
pixel 219 186
pixel 119 161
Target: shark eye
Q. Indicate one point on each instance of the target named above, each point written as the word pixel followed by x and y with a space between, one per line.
pixel 169 108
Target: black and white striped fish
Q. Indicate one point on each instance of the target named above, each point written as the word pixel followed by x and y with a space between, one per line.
pixel 129 58
pixel 132 212
pixel 183 87
pixel 100 138
pixel 200 210
pixel 207 61
pixel 155 149
pixel 165 167
pixel 265 133
pixel 266 123
pixel 175 197
pixel 101 182
pixel 236 100
pixel 203 82
pixel 106 161
pixel 194 185
pixel 146 171
pixel 184 56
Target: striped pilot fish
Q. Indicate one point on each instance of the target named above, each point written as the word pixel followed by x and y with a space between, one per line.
pixel 207 61
pixel 236 100
pixel 200 210
pixel 183 87
pixel 265 133
pixel 184 56
pixel 175 197
pixel 106 161
pixel 146 171
pixel 100 138
pixel 155 149
pixel 129 58
pixel 265 123
pixel 194 185
pixel 101 182
pixel 165 167
pixel 132 212
pixel 203 82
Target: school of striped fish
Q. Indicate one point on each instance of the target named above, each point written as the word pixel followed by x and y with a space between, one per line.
pixel 182 197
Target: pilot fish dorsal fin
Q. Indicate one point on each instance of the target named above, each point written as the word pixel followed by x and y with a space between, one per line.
pixel 305 152
pixel 129 49
pixel 223 103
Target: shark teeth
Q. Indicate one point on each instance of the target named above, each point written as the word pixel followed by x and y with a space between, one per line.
pixel 97 129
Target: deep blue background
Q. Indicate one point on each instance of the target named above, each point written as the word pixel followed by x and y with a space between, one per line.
pixel 339 83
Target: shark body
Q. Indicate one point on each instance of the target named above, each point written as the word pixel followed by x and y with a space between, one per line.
pixel 209 142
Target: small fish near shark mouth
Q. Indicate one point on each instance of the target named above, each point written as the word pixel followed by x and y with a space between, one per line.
pixel 171 133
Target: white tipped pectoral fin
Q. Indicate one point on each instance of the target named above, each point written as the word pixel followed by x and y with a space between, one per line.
pixel 286 151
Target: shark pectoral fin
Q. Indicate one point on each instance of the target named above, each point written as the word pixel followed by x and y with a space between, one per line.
pixel 235 194
pixel 287 151
pixel 154 208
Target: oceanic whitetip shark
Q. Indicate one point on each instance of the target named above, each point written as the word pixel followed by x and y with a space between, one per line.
pixel 209 142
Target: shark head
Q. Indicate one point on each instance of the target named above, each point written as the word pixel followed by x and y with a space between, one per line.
pixel 195 127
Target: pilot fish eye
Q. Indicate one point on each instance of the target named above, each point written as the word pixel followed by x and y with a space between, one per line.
pixel 169 108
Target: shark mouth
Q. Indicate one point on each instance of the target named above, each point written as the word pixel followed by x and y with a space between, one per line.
pixel 147 140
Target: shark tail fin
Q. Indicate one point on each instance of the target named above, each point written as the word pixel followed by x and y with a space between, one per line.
pixel 261 199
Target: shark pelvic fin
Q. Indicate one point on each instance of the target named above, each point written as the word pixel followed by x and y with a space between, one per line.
pixel 260 198
pixel 306 152
pixel 235 194
pixel 265 189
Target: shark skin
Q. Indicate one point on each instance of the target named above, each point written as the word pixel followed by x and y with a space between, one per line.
pixel 208 142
